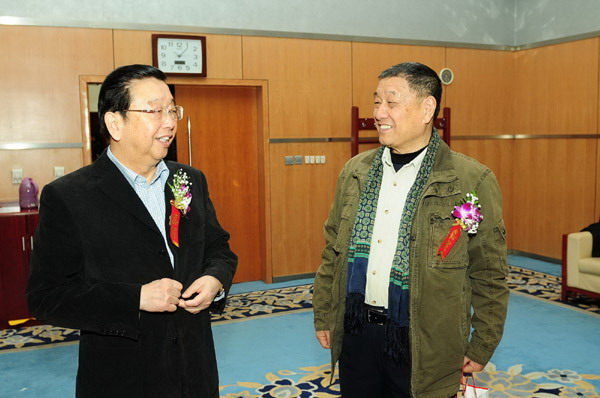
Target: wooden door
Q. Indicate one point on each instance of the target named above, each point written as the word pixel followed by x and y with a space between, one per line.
pixel 224 136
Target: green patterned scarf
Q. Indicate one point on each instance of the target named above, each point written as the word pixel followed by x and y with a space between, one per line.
pixel 360 247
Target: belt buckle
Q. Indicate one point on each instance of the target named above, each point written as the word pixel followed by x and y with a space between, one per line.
pixel 375 317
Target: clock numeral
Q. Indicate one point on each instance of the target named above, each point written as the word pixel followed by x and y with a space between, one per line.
pixel 163 55
pixel 170 44
pixel 196 64
pixel 195 56
pixel 187 67
pixel 163 63
pixel 195 49
pixel 163 47
pixel 179 45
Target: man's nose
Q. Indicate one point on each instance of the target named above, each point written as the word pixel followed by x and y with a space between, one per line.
pixel 380 112
pixel 169 123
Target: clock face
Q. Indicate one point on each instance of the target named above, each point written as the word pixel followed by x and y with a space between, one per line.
pixel 175 55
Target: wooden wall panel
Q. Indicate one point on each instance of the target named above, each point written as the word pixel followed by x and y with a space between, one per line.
pixel 301 196
pixel 310 86
pixel 223 53
pixel 481 95
pixel 553 192
pixel 367 147
pixel 37 164
pixel 370 59
pixel 556 89
pixel 597 210
pixel 40 80
pixel 497 155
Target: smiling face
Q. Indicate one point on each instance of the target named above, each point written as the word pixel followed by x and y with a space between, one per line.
pixel 403 118
pixel 141 140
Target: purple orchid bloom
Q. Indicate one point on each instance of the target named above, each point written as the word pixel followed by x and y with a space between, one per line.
pixel 468 213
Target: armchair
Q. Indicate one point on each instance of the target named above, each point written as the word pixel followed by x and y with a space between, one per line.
pixel 580 271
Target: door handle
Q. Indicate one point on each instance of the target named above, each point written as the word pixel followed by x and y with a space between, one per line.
pixel 189 134
pixel 23 242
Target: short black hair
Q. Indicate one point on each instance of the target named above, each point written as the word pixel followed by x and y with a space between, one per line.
pixel 114 93
pixel 420 78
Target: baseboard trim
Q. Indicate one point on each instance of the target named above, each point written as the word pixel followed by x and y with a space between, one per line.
pixel 288 278
pixel 535 256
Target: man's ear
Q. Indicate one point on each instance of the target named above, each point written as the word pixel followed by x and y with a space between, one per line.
pixel 114 124
pixel 429 105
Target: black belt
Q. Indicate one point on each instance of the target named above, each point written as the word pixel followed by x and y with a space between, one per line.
pixel 376 315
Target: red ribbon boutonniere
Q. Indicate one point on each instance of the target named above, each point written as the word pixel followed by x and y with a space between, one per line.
pixel 183 197
pixel 467 218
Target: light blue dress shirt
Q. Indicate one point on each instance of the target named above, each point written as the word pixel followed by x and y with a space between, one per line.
pixel 151 194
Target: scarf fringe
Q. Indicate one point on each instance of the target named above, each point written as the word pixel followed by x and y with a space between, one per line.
pixel 397 345
pixel 356 315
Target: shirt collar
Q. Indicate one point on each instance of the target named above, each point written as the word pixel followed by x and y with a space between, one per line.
pixel 162 171
pixel 416 162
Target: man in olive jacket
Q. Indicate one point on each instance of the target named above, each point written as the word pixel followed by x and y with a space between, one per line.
pixel 415 240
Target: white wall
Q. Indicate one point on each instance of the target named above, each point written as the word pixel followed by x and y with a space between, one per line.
pixel 542 20
pixel 489 22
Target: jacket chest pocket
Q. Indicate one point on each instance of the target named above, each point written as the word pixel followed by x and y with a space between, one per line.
pixel 440 224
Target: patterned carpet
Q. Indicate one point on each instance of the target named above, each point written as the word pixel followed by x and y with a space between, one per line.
pixel 239 307
pixel 291 299
pixel 313 381
pixel 275 302
pixel 547 287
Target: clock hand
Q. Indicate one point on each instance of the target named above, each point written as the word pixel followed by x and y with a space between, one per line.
pixel 186 48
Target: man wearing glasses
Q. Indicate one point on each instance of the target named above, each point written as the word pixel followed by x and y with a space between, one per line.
pixel 129 250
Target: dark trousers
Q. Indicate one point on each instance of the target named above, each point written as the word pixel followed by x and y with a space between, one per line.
pixel 365 370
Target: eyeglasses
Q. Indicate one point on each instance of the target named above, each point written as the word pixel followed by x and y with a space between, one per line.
pixel 176 112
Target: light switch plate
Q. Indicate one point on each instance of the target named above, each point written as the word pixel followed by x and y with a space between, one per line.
pixel 59 171
pixel 17 176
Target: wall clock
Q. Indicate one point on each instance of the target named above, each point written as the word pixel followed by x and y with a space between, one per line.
pixel 178 55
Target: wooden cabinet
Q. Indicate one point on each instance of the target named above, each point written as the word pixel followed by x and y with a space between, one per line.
pixel 16 241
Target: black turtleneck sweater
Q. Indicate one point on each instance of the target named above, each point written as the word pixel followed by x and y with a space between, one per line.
pixel 401 159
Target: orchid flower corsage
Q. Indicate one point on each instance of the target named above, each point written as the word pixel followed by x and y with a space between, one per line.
pixel 467 217
pixel 467 213
pixel 181 191
pixel 182 198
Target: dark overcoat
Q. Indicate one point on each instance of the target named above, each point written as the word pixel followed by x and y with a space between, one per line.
pixel 95 246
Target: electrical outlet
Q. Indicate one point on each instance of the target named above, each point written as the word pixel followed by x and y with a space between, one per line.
pixel 17 176
pixel 59 171
pixel 322 159
pixel 288 160
pixel 297 159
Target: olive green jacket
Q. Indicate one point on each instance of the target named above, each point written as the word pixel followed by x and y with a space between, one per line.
pixel 473 275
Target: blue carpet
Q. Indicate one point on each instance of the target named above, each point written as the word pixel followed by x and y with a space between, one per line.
pixel 39 373
pixel 547 349
pixel 535 265
pixel 254 286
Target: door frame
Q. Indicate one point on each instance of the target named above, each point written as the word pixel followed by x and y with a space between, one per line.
pixel 266 266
